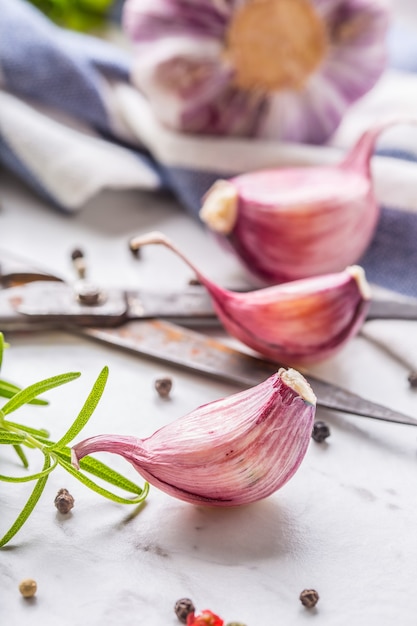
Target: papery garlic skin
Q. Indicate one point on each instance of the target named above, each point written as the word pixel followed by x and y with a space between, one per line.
pixel 294 323
pixel 279 69
pixel 228 452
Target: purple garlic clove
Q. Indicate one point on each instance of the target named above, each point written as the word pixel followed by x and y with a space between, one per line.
pixel 229 452
pixel 295 323
pixel 290 223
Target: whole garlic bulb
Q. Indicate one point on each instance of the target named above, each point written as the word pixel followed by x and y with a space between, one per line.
pixel 282 69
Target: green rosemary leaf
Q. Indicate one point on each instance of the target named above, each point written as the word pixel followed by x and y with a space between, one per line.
pixel 37 432
pixel 21 454
pixel 26 479
pixel 6 437
pixel 29 506
pixel 20 436
pixel 87 410
pixel 100 490
pixel 8 390
pixel 101 470
pixel 29 393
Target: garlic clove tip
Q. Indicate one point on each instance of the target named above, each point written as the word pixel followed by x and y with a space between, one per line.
pixel 358 273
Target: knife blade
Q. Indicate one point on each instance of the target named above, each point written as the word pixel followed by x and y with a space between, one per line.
pixel 392 310
pixel 172 344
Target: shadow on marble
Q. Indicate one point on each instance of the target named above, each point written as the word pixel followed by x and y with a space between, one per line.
pixel 227 536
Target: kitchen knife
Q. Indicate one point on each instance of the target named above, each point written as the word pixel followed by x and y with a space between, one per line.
pixel 198 353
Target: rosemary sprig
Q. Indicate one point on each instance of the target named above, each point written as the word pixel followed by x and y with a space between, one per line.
pixel 57 453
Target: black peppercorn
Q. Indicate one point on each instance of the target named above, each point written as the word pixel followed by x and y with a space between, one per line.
pixel 64 501
pixel 77 253
pixel 320 431
pixel 182 608
pixel 412 379
pixel 163 386
pixel 309 598
pixel 136 252
pixel 194 282
pixel 78 261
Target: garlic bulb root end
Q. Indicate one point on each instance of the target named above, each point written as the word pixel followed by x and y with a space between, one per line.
pixel 220 207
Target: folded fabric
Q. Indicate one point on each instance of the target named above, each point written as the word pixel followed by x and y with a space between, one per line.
pixel 71 124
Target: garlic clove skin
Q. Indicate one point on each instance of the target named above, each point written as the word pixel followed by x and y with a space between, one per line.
pixel 289 224
pixel 301 322
pixel 229 452
pixel 295 323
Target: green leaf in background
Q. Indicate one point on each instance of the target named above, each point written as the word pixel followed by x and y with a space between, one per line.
pixel 80 15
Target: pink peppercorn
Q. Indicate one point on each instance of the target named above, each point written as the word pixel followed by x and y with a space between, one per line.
pixel 204 618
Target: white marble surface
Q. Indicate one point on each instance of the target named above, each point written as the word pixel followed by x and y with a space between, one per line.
pixel 344 525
